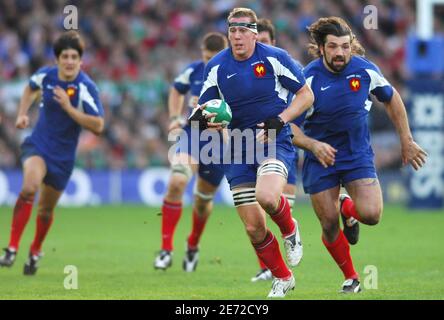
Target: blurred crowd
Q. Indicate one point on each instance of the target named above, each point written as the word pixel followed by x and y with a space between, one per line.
pixel 136 47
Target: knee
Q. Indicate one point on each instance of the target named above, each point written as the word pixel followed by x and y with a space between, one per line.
pixel 268 201
pixel 256 233
pixel 177 186
pixel 330 227
pixel 29 190
pixel 45 213
pixel 202 206
pixel 372 215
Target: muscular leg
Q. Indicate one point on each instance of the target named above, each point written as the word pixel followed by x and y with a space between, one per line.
pixel 47 202
pixel 182 170
pixel 263 241
pixel 325 204
pixel 269 188
pixel 366 204
pixel 289 193
pixel 203 205
pixel 34 171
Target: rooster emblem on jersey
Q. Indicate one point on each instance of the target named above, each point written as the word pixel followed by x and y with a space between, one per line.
pixel 71 92
pixel 355 84
pixel 259 70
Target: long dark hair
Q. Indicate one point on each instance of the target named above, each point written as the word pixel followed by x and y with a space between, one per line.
pixel 336 26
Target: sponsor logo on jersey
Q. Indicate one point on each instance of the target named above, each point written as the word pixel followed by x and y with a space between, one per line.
pixel 259 70
pixel 355 84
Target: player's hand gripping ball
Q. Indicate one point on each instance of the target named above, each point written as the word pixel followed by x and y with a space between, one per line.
pixel 221 109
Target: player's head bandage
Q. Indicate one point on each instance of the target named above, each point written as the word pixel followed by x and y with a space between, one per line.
pixel 203 196
pixel 250 26
pixel 273 167
pixel 182 169
pixel 291 198
pixel 244 197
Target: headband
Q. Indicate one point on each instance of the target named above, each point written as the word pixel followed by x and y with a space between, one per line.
pixel 250 26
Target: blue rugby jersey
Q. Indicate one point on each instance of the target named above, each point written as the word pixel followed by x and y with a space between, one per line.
pixel 257 88
pixel 56 134
pixel 339 115
pixel 190 80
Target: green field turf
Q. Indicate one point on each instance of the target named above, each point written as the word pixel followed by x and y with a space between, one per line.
pixel 113 249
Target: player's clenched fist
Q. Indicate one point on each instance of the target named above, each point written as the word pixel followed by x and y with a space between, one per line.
pixel 22 122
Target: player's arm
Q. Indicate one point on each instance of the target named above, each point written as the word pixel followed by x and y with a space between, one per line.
pixel 411 152
pixel 302 102
pixel 175 104
pixel 26 101
pixel 92 123
pixel 209 91
pixel 324 152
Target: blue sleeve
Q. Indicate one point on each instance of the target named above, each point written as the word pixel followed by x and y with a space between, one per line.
pixel 90 100
pixel 210 88
pixel 182 82
pixel 36 80
pixel 379 86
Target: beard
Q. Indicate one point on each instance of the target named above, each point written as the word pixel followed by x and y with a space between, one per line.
pixel 337 68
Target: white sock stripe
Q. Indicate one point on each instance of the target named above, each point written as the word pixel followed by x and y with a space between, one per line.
pixel 172 206
pixel 244 194
pixel 266 244
pixel 282 209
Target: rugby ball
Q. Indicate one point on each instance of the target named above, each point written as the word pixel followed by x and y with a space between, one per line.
pixel 221 108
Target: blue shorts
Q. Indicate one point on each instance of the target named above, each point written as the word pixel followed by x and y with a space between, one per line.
pixel 292 172
pixel 316 178
pixel 57 175
pixel 246 174
pixel 211 168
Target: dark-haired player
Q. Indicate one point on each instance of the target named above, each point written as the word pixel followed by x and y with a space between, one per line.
pixel 342 80
pixel 69 102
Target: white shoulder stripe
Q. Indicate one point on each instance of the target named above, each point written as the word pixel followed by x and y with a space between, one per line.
pixel 84 95
pixel 281 70
pixel 376 79
pixel 211 80
pixel 184 77
pixel 38 79
pixel 310 110
pixel 309 80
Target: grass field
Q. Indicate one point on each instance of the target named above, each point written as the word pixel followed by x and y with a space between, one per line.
pixel 113 250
